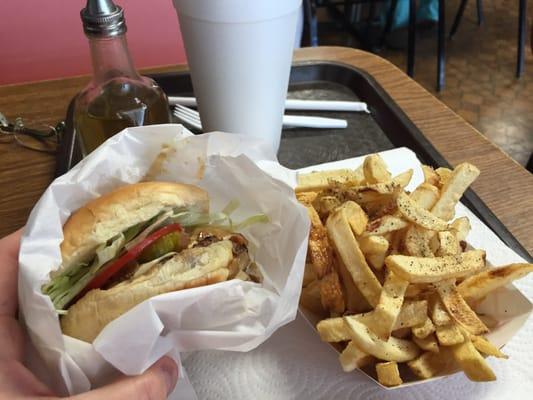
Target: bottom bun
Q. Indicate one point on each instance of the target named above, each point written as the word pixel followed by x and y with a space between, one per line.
pixel 191 268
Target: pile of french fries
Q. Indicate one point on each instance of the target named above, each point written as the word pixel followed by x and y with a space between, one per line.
pixel 390 274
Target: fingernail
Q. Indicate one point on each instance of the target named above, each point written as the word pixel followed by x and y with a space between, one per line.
pixel 170 373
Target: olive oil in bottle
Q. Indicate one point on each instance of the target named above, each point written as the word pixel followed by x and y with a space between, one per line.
pixel 117 97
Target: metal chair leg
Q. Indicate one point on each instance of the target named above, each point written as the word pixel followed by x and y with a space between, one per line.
pixel 480 16
pixel 411 34
pixel 370 18
pixel 310 15
pixel 458 17
pixel 522 14
pixel 388 22
pixel 441 61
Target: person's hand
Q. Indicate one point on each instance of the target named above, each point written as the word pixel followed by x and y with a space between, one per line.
pixel 17 382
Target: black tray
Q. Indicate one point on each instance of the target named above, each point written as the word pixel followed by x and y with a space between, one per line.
pixel 384 128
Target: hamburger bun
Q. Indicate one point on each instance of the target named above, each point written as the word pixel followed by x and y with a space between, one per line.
pixel 107 216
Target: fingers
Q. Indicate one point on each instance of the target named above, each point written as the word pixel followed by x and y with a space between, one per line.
pixel 17 381
pixel 11 339
pixel 9 249
pixel 155 384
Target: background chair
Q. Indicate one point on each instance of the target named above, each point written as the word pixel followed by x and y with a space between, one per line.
pixel 346 19
pixel 522 15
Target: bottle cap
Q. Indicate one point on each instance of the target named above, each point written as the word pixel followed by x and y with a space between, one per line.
pixel 103 18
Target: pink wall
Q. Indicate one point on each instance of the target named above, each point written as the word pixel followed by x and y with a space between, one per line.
pixel 44 39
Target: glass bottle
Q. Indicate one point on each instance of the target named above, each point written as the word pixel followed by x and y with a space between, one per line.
pixel 117 97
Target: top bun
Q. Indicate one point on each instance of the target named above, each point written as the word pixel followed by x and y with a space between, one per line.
pixel 107 216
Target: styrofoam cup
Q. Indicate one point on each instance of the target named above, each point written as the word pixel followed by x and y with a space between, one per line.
pixel 239 53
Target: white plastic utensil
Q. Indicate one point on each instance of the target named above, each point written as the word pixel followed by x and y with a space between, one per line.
pixel 293 104
pixel 192 118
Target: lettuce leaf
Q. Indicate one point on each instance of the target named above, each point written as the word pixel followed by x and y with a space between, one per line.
pixel 222 219
pixel 66 285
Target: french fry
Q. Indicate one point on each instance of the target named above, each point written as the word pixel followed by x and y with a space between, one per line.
pixel 319 250
pixel 461 227
pixel 350 254
pixel 331 293
pixel 412 313
pixel 428 270
pixel 417 242
pixel 389 306
pixel 428 365
pixel 433 242
pixel 444 175
pixel 336 330
pixel 319 180
pixel 388 373
pixel 333 330
pixel 393 349
pixel 449 335
pixel 380 209
pixel 430 176
pixel 309 274
pixel 306 198
pixel 423 330
pixel 352 357
pixel 458 309
pixel 448 244
pixel 476 287
pixel 384 225
pixel 397 241
pixel 355 215
pixel 472 363
pixel 429 343
pixel 375 249
pixel 439 314
pixel 375 169
pixel 310 298
pixel 376 261
pixel 462 176
pixel 373 244
pixel 425 195
pixel 401 333
pixel 484 346
pixel 354 300
pixel 388 188
pixel 324 205
pixel 413 212
pixel 403 179
pixel 416 290
pixel 370 195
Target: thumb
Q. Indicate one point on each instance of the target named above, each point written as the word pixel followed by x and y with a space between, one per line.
pixel 155 384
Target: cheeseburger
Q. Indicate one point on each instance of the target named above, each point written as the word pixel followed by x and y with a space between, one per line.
pixel 137 242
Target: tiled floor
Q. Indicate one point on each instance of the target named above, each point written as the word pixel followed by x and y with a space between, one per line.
pixel 480 68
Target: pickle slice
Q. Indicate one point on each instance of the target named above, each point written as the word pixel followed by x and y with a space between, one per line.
pixel 173 241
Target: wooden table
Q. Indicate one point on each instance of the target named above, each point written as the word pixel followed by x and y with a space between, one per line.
pixel 504 185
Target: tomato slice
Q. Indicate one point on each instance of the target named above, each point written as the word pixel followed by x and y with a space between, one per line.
pixel 100 279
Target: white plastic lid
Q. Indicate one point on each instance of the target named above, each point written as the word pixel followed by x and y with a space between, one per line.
pixel 235 11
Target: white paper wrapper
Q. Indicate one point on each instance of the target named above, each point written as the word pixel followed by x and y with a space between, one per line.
pixel 232 315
